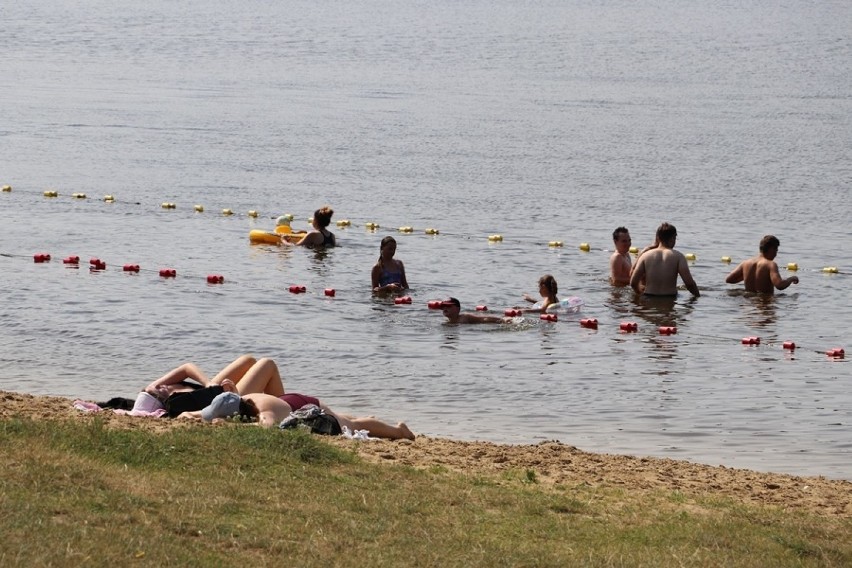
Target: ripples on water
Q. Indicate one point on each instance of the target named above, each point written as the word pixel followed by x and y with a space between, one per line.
pixel 546 122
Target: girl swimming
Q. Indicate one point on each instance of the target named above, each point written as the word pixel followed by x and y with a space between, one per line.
pixel 547 288
pixel 388 273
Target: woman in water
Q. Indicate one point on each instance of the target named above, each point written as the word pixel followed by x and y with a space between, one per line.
pixel 547 288
pixel 320 236
pixel 388 273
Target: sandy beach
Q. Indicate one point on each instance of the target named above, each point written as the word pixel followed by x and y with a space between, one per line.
pixel 554 463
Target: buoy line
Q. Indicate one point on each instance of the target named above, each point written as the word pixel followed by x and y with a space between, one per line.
pixel 372 226
pixel 97 265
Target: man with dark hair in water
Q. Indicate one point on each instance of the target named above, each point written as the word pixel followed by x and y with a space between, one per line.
pixel 760 273
pixel 660 267
pixel 452 311
pixel 619 262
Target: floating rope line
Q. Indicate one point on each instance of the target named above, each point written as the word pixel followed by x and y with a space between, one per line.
pixel 372 226
pixel 96 265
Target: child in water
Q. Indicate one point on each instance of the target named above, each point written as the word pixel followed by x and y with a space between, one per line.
pixel 547 288
pixel 388 273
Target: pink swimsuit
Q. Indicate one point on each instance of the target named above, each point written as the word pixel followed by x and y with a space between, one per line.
pixel 297 401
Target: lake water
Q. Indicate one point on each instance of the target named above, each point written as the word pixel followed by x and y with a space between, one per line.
pixel 537 121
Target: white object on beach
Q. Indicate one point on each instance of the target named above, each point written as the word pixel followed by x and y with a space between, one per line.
pixel 356 435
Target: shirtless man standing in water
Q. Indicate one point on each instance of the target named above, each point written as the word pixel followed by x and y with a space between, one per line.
pixel 760 273
pixel 660 267
pixel 619 263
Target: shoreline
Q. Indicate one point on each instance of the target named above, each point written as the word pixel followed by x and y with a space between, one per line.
pixel 551 463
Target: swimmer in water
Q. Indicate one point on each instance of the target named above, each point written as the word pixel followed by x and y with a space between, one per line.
pixel 660 267
pixel 760 274
pixel 620 265
pixel 547 288
pixel 388 273
pixel 320 236
pixel 452 311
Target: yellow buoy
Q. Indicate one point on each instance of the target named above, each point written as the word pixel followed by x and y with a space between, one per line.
pixel 634 250
pixel 792 266
pixel 344 223
pixel 830 270
pixel 726 259
pixel 78 195
pixel 109 198
pixel 51 193
pixel 585 247
pixel 406 229
pixel 7 188
pixel 168 205
pixel 555 244
pixel 252 213
pixel 690 256
pixel 495 238
pixel 431 231
pixel 371 226
pixel 199 209
pixel 227 212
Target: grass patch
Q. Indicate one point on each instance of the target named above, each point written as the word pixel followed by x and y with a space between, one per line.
pixel 77 493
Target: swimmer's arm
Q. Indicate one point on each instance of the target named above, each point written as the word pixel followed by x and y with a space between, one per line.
pixel 686 276
pixel 546 303
pixel 614 269
pixel 637 275
pixel 475 318
pixel 777 281
pixel 530 299
pixel 736 276
pixel 374 277
pixel 310 239
pixel 403 281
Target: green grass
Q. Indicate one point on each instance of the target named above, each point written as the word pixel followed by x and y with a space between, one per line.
pixel 81 494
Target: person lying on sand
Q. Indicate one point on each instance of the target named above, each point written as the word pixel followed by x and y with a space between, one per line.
pixel 257 393
pixel 268 411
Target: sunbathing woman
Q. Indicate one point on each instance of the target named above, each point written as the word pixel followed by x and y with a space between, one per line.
pixel 262 397
pixel 177 380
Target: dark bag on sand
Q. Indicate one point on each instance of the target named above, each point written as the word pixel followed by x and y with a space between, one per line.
pixel 118 402
pixel 313 417
pixel 192 401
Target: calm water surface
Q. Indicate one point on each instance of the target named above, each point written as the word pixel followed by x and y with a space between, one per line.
pixel 540 122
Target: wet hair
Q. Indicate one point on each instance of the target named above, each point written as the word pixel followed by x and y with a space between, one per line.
pixel 248 411
pixel 323 216
pixel 454 301
pixel 769 242
pixel 549 282
pixel 666 232
pixel 619 231
pixel 385 242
